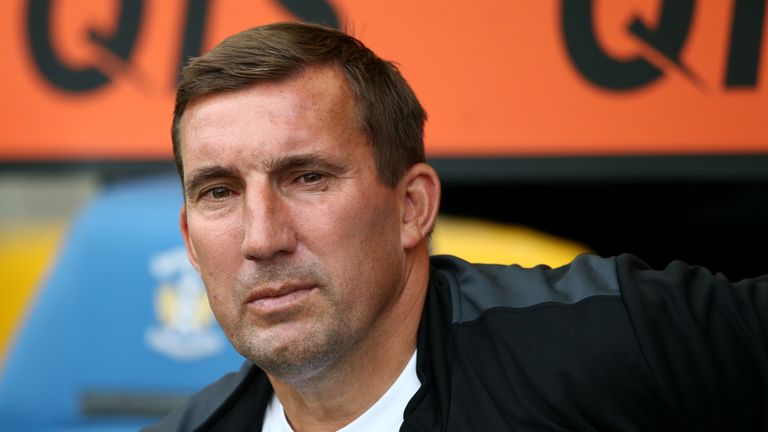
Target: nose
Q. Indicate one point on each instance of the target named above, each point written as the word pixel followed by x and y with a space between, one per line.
pixel 267 224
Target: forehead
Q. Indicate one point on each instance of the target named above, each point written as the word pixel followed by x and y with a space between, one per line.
pixel 318 88
pixel 314 107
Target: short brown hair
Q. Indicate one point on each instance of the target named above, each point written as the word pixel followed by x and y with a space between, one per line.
pixel 392 117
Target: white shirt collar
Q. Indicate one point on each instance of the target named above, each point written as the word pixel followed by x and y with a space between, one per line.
pixel 386 415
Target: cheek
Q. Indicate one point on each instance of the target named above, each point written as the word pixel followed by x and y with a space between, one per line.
pixel 223 304
pixel 222 312
pixel 218 253
pixel 366 244
pixel 215 241
pixel 351 232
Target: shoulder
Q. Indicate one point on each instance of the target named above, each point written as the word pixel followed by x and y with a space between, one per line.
pixel 208 403
pixel 479 288
pixel 538 338
pixel 609 335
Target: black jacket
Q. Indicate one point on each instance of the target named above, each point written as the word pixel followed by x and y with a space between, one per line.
pixel 598 345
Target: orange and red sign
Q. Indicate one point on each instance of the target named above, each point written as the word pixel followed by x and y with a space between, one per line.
pixel 95 80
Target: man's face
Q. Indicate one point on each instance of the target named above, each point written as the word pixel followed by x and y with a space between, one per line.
pixel 297 240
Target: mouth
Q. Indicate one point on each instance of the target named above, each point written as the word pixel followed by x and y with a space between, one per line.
pixel 272 300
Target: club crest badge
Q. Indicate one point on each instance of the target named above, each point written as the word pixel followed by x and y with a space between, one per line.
pixel 186 329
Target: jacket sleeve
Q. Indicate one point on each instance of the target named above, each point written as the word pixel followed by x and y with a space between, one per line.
pixel 705 339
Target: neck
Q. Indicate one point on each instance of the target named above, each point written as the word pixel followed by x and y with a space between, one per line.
pixel 346 389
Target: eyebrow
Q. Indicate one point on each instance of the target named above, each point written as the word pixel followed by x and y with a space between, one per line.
pixel 203 175
pixel 304 160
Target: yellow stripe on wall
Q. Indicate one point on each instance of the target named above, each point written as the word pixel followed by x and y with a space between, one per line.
pixel 25 254
pixel 488 242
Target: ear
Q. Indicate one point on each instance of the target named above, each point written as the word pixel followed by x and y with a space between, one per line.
pixel 420 189
pixel 191 253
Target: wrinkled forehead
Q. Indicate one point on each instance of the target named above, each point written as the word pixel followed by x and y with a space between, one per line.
pixel 314 89
pixel 313 112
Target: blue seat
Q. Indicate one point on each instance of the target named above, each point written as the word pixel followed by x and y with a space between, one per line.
pixel 121 330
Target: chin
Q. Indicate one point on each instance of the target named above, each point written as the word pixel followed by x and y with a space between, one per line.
pixel 291 360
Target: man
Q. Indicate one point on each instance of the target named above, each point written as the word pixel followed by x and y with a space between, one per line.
pixel 308 208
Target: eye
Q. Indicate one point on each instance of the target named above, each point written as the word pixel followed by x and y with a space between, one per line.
pixel 218 192
pixel 310 177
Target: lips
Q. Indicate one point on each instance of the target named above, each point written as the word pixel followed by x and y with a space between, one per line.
pixel 266 300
